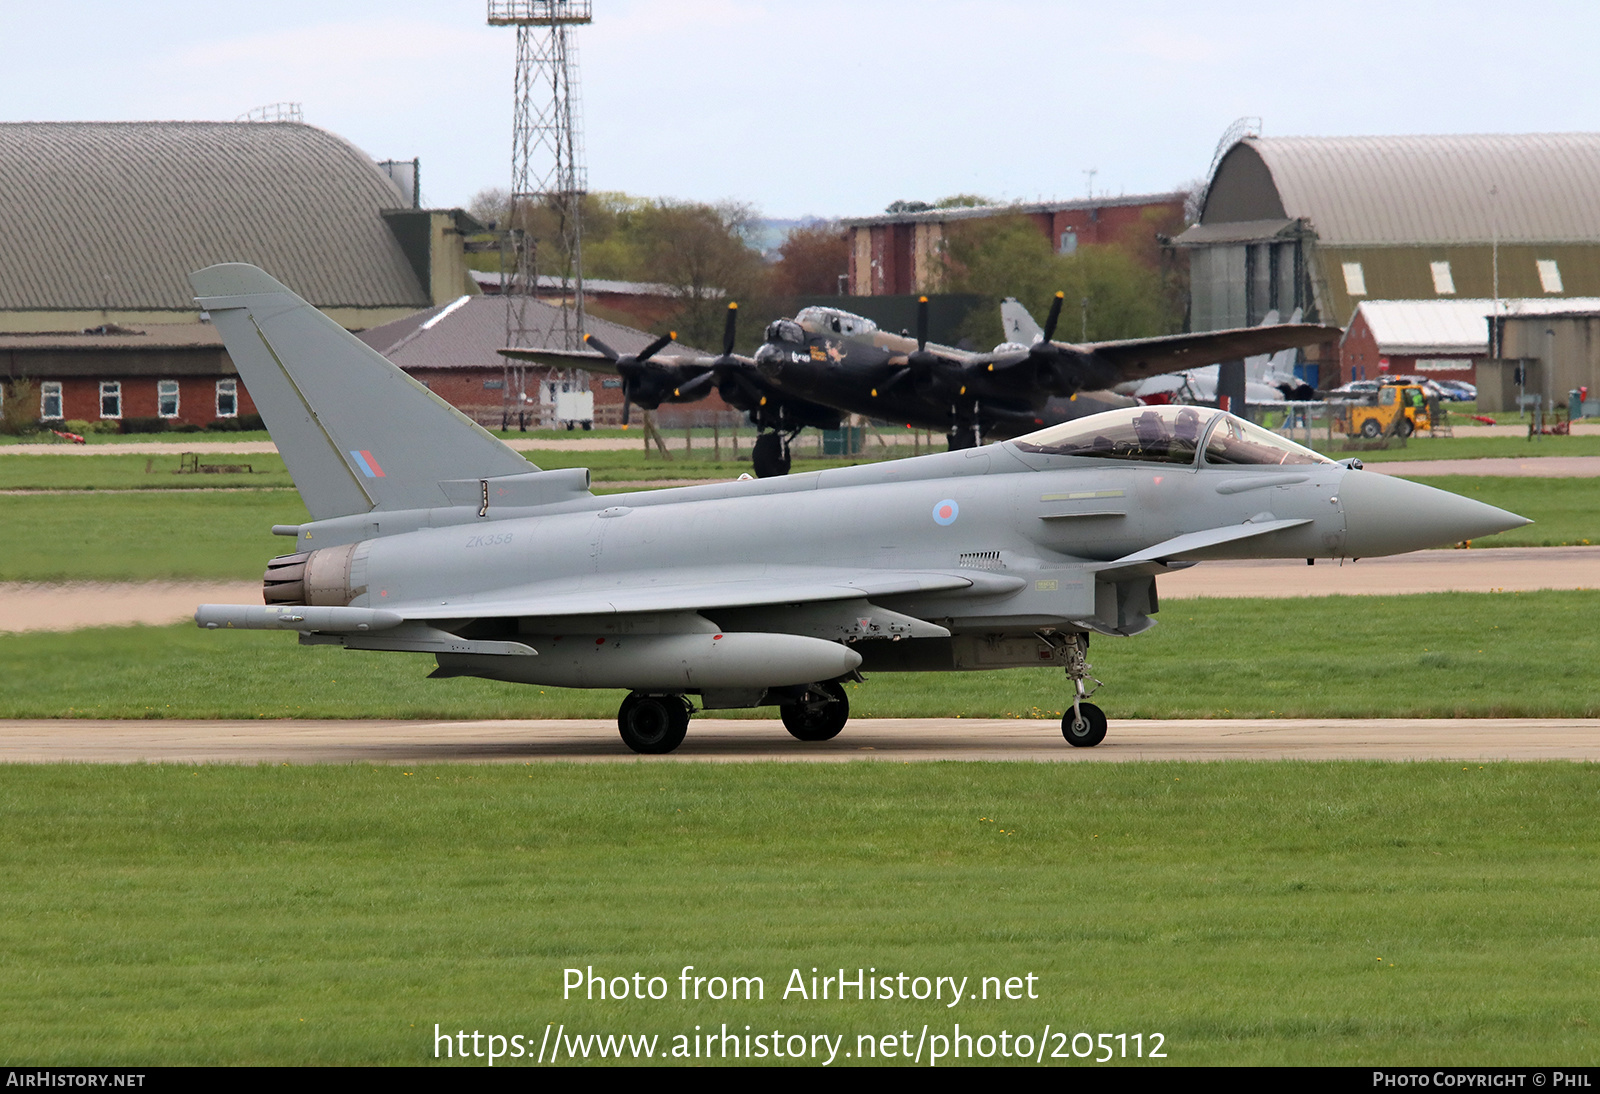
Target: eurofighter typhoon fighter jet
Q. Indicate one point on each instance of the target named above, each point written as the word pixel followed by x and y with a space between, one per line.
pixel 428 534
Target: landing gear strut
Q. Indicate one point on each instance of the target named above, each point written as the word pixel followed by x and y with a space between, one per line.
pixel 819 716
pixel 1084 726
pixel 653 724
pixel 770 455
pixel 965 433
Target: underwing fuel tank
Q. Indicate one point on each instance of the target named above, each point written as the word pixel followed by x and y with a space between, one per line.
pixel 665 662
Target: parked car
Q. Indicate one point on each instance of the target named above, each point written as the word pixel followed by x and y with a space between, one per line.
pixel 1354 390
pixel 1458 391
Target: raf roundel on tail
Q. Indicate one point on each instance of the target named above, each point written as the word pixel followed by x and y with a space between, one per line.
pixel 428 534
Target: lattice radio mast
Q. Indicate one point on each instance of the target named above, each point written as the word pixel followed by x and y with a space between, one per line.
pixel 548 183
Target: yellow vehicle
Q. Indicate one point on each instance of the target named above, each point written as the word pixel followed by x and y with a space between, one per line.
pixel 1396 410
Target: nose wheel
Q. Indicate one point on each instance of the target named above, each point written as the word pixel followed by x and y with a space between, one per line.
pixel 1084 726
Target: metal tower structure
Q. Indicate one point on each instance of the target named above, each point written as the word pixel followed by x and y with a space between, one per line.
pixel 548 183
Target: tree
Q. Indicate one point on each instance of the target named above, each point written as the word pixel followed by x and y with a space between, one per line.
pixel 18 414
pixel 489 206
pixel 1109 293
pixel 811 261
pixel 702 252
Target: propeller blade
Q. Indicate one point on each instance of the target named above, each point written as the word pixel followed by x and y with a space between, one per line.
pixel 744 385
pixel 922 323
pixel 729 328
pixel 1055 316
pixel 655 347
pixel 892 382
pixel 605 351
pixel 690 388
pixel 627 399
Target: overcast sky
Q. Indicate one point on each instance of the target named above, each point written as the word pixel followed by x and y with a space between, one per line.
pixel 826 107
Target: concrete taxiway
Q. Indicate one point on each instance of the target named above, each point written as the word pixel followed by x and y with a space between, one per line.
pixel 906 740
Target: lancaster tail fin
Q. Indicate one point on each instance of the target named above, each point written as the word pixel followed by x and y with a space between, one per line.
pixel 1019 325
pixel 355 432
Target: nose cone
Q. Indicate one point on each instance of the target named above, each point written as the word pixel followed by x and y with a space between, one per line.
pixel 1384 515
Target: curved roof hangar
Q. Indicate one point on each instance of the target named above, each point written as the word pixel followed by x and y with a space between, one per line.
pixel 114 215
pixel 1375 191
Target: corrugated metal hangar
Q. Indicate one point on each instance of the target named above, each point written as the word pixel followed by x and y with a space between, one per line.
pixel 105 220
pixel 1323 224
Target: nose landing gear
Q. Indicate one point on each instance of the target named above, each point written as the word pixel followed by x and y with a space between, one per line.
pixel 1084 726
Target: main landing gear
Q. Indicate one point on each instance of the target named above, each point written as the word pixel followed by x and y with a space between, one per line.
pixel 819 716
pixel 657 724
pixel 1084 726
pixel 653 724
pixel 770 455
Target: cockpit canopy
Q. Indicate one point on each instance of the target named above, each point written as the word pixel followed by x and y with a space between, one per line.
pixel 1168 434
pixel 834 321
pixel 785 330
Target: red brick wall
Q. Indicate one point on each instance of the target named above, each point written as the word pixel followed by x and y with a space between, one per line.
pixel 1360 358
pixel 197 398
pixel 1129 226
pixel 1358 353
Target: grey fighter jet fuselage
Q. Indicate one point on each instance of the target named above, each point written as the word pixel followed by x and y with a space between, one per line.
pixel 429 535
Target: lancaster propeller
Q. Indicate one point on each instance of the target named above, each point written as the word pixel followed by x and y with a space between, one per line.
pixel 642 383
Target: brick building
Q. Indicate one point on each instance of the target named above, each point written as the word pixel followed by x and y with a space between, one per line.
pixel 904 253
pixel 179 372
pixel 1438 338
pixel 453 349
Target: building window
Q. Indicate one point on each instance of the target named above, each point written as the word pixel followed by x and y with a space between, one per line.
pixel 227 398
pixel 1069 242
pixel 1355 282
pixel 1549 275
pixel 50 401
pixel 111 398
pixel 167 398
pixel 1443 283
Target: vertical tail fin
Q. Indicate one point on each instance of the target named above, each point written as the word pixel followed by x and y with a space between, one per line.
pixel 1019 325
pixel 355 432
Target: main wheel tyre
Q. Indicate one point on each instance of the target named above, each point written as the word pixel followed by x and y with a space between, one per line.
pixel 1406 427
pixel 1370 429
pixel 1088 729
pixel 820 722
pixel 768 458
pixel 653 724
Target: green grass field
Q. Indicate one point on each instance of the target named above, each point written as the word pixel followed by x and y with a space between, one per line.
pixel 1436 655
pixel 1464 446
pixel 128 536
pixel 1280 913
